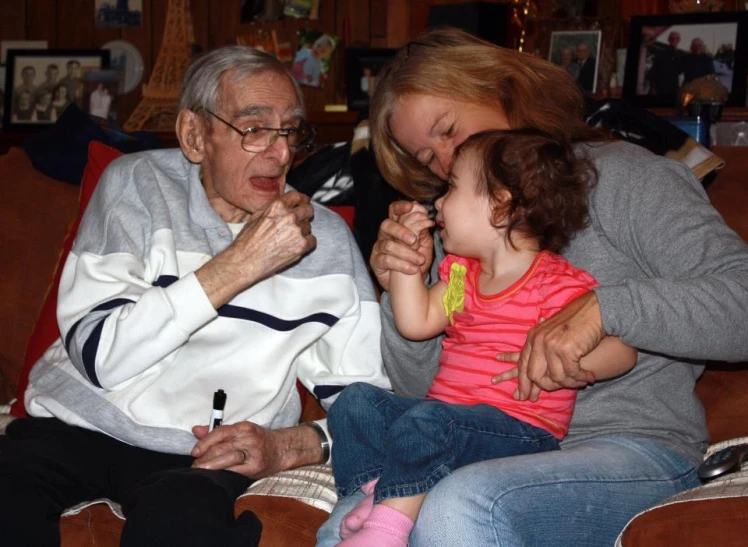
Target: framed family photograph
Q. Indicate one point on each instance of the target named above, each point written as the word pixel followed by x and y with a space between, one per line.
pixel 577 52
pixel 362 67
pixel 100 89
pixel 41 84
pixel 667 52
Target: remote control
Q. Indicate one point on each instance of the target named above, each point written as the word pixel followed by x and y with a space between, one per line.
pixel 726 460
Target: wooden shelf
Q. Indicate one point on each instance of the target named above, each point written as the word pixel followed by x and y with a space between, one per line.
pixel 729 114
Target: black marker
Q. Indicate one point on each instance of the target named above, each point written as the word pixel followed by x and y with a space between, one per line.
pixel 216 416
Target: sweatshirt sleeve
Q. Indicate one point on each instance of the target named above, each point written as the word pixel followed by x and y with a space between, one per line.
pixel 349 351
pixel 693 300
pixel 122 307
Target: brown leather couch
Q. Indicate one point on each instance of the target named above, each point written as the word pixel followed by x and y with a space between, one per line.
pixel 35 212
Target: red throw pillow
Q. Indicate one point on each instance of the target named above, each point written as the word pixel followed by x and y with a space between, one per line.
pixel 46 330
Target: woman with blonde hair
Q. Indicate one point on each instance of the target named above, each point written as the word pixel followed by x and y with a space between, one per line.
pixel 673 284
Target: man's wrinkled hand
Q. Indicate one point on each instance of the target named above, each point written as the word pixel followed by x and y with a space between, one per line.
pixel 243 447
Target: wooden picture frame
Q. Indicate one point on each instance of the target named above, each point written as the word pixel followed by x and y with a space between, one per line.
pixel 34 79
pixel 551 33
pixel 568 50
pixel 664 53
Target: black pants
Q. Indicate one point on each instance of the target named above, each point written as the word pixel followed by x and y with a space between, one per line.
pixel 47 466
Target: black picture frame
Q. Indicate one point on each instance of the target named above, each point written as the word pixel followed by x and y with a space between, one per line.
pixel 41 60
pixel 357 62
pixel 648 48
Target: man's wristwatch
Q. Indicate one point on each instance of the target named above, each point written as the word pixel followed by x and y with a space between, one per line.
pixel 324 442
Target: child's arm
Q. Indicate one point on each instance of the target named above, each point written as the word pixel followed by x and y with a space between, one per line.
pixel 609 359
pixel 417 309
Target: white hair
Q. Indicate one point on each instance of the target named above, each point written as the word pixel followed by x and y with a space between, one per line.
pixel 203 78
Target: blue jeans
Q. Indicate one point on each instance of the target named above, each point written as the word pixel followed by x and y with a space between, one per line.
pixel 410 443
pixel 581 495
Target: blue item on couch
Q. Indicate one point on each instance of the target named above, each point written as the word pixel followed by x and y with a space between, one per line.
pixel 61 152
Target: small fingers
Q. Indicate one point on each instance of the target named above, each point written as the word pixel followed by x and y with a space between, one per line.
pixel 506 375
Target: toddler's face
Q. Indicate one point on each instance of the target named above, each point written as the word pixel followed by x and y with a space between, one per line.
pixel 464 212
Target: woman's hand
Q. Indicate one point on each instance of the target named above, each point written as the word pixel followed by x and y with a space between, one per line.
pixel 398 248
pixel 551 356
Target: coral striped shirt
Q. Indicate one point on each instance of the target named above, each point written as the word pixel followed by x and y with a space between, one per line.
pixel 490 324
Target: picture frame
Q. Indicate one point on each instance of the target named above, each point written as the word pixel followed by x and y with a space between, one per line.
pixel 100 92
pixel 551 32
pixel 578 52
pixel 120 14
pixel 667 51
pixel 5 45
pixel 362 65
pixel 34 80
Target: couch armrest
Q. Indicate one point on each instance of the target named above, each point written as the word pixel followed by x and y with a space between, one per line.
pixel 713 514
pixel 718 521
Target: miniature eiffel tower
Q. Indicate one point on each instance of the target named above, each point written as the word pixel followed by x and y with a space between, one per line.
pixel 157 110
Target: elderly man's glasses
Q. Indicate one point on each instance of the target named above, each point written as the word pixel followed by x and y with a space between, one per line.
pixel 257 139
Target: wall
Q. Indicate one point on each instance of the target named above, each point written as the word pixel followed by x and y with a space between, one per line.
pixel 376 23
pixel 70 24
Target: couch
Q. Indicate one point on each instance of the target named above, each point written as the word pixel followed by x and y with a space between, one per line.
pixel 35 213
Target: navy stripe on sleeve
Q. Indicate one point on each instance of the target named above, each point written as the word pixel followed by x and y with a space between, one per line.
pixel 275 323
pixel 89 352
pixel 92 343
pixel 323 392
pixel 117 302
pixel 165 280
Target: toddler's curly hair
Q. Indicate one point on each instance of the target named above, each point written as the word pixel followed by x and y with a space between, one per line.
pixel 548 181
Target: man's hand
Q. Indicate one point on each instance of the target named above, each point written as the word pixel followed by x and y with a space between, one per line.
pixel 551 356
pixel 254 451
pixel 271 240
pixel 279 235
pixel 398 248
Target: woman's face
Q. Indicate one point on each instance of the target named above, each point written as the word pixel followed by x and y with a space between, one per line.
pixel 430 128
pixel 61 93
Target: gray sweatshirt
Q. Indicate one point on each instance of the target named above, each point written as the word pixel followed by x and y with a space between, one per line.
pixel 673 283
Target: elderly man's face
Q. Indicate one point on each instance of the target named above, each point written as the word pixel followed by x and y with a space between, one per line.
pixel 697 46
pixel 236 180
pixel 673 39
pixel 583 51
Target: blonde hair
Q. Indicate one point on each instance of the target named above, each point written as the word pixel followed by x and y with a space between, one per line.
pixel 453 64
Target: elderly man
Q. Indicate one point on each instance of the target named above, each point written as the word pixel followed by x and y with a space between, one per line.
pixel 697 62
pixel 667 65
pixel 193 270
pixel 587 68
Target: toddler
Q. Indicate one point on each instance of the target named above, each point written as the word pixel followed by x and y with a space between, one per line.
pixel 514 199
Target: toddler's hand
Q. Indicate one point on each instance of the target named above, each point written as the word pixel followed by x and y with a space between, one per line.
pixel 417 220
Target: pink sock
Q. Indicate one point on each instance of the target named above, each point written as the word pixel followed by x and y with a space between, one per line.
pixel 354 519
pixel 385 527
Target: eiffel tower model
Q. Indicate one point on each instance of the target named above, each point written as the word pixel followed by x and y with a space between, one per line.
pixel 157 110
